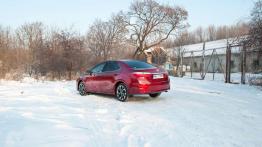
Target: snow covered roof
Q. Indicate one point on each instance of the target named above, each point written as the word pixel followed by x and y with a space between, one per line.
pixel 154 48
pixel 219 45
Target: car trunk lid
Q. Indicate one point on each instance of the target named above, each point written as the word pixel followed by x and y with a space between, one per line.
pixel 152 75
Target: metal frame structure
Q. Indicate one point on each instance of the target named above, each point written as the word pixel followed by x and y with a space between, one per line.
pixel 215 57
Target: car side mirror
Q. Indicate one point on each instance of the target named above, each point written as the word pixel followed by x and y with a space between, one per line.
pixel 88 72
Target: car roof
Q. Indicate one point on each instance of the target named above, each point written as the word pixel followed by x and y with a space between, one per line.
pixel 130 60
pixel 121 60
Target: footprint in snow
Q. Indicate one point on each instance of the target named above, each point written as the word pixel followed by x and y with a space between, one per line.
pixel 101 111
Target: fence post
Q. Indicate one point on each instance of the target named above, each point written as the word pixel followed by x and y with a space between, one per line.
pixel 192 64
pixel 226 80
pixel 181 71
pixel 228 63
pixel 243 64
pixel 203 62
pixel 214 64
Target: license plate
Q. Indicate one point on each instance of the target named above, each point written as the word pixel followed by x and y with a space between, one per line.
pixel 158 76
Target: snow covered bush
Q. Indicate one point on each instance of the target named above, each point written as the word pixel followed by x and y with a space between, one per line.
pixel 255 81
pixel 14 75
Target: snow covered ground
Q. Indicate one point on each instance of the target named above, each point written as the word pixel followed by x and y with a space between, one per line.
pixel 192 113
pixel 235 77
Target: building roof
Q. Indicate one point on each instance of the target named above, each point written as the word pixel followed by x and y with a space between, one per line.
pixel 152 49
pixel 219 45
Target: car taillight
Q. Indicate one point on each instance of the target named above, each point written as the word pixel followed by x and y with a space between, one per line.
pixel 142 77
pixel 142 74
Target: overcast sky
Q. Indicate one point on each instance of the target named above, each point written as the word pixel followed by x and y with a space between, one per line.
pixel 81 13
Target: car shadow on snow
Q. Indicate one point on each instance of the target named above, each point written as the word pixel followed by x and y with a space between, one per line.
pixel 135 98
pixel 143 98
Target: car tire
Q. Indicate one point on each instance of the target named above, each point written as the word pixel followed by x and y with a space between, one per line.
pixel 154 95
pixel 82 89
pixel 121 92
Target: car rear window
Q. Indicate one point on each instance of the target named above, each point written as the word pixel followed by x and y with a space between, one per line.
pixel 138 64
pixel 111 66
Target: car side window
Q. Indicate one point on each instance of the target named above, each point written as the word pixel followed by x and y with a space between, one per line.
pixel 98 68
pixel 111 66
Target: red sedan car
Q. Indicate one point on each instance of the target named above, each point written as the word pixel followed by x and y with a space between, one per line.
pixel 124 78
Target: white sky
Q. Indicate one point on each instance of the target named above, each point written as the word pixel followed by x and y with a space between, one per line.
pixel 81 13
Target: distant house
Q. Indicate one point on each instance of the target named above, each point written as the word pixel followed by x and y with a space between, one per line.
pixel 158 56
pixel 193 56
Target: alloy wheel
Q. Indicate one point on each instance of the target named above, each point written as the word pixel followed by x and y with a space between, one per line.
pixel 81 89
pixel 121 92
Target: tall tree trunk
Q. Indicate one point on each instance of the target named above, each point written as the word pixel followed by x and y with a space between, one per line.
pixel 136 52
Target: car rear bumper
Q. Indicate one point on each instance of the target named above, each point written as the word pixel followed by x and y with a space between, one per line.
pixel 146 89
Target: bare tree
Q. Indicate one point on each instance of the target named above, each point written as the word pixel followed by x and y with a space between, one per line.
pixel 30 37
pixel 200 34
pixel 182 40
pixel 255 33
pixel 70 47
pixel 256 24
pixel 104 36
pixel 211 32
pixel 151 23
pixel 5 42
